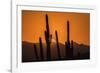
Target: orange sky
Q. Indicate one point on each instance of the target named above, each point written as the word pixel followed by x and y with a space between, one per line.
pixel 33 26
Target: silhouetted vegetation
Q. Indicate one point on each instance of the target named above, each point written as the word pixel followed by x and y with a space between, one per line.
pixel 68 45
pixel 58 49
pixel 47 38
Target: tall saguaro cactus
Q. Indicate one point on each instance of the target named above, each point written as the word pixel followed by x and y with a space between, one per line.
pixel 58 48
pixel 47 38
pixel 68 34
pixel 41 49
pixel 67 44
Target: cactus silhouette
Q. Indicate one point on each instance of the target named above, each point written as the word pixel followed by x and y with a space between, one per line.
pixel 48 39
pixel 68 45
pixel 58 49
pixel 68 34
pixel 36 53
pixel 41 49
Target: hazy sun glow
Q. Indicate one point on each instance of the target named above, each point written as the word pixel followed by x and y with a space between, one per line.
pixel 34 25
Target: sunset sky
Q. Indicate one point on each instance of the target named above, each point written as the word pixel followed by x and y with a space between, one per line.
pixel 34 25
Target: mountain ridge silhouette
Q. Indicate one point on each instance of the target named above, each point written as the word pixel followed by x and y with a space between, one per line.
pixel 28 51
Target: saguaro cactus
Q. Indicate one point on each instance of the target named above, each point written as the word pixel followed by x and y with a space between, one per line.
pixel 68 34
pixel 36 53
pixel 58 49
pixel 41 49
pixel 68 48
pixel 47 38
